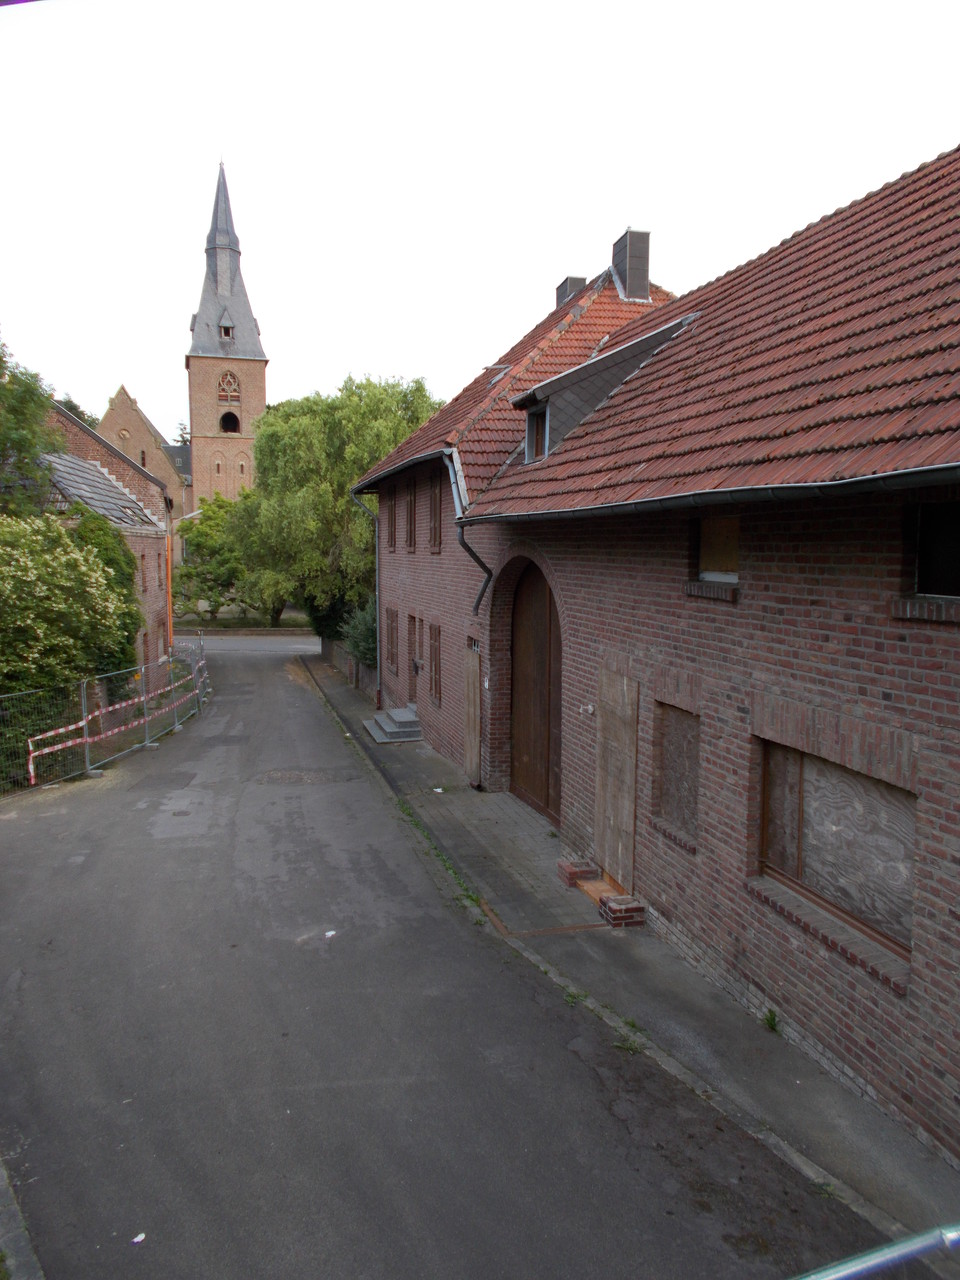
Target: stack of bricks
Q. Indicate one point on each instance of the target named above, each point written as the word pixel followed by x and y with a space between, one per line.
pixel 620 911
pixel 572 872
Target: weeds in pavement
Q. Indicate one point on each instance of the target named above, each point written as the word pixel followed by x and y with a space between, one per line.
pixel 771 1021
pixel 467 895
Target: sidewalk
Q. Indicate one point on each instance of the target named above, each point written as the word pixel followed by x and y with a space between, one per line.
pixel 509 856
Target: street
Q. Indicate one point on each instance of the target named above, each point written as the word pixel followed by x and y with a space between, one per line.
pixel 247 1030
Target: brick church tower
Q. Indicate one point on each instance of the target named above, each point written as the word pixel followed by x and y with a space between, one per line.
pixel 226 367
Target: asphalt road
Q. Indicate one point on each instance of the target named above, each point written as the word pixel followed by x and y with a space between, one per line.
pixel 247 1030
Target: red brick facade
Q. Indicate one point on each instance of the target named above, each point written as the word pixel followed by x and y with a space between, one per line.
pixel 810 649
pixel 222 461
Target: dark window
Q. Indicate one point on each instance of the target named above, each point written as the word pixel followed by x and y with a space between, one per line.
pixel 938 549
pixel 436 511
pixel 845 840
pixel 143 571
pixel 226 331
pixel 536 433
pixel 159 569
pixel 434 662
pixel 391 519
pixel 411 515
pixel 230 423
pixel 143 457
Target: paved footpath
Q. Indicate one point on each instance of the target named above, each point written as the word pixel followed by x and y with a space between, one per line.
pixel 249 1027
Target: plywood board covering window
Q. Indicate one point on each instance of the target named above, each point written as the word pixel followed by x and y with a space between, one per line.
pixel 411 515
pixel 719 548
pixel 436 509
pixel 846 839
pixel 434 662
pixel 390 640
pixel 391 519
pixel 679 770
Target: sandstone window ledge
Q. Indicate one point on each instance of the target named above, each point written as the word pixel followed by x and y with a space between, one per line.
pixel 707 590
pixel 855 947
pixel 926 608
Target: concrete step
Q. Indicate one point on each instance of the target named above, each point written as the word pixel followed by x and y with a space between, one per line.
pixel 396 724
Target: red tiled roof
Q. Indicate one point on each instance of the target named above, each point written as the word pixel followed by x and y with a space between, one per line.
pixel 833 357
pixel 480 422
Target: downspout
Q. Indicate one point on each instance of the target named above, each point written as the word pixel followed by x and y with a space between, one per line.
pixel 376 563
pixel 458 510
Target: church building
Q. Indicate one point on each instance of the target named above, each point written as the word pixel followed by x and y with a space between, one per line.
pixel 226 367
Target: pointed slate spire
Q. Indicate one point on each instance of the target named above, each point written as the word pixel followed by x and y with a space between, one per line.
pixel 223 292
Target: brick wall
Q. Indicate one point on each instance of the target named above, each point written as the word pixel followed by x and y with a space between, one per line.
pixel 84 443
pixel 817 651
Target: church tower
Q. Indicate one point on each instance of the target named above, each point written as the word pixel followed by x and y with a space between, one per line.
pixel 226 367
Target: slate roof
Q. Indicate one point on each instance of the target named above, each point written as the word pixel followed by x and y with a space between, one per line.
pixel 77 480
pixel 832 359
pixel 481 423
pixel 223 299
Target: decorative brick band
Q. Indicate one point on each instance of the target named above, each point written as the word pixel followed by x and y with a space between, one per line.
pixel 854 947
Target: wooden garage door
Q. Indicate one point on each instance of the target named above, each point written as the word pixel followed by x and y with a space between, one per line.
pixel 536 686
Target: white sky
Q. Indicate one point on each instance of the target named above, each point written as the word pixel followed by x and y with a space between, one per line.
pixel 410 182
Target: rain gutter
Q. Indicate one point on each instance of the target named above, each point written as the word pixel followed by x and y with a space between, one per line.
pixel 917 477
pixel 458 487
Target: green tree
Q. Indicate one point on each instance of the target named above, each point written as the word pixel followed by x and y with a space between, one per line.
pixel 303 537
pixel 71 406
pixel 90 529
pixel 59 609
pixel 24 439
pixel 207 579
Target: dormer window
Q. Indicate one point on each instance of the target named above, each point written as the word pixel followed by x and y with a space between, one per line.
pixel 226 324
pixel 536 433
pixel 226 331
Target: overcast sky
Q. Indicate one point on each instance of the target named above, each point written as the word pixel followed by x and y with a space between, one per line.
pixel 410 182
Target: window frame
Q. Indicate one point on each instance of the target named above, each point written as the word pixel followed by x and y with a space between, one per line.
pixel 803 889
pixel 537 445
pixel 391 505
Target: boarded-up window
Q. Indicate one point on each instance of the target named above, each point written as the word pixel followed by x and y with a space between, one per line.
pixel 411 515
pixel 436 510
pixel 434 662
pixel 390 645
pixel 391 519
pixel 679 770
pixel 845 838
pixel 719 548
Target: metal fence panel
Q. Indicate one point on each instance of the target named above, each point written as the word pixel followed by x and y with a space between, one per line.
pixel 49 735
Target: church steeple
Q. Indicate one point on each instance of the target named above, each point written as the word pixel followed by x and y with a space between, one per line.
pixel 224 324
pixel 226 367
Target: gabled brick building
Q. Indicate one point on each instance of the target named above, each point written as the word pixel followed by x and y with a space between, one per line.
pixel 719 633
pixel 143 518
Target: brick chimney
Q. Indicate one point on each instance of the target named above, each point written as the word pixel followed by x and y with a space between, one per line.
pixel 570 286
pixel 631 262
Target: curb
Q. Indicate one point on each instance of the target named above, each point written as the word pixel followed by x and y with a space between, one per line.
pixel 749 1124
pixel 15 1247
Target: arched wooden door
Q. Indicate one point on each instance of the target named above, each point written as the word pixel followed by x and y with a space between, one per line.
pixel 535 699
